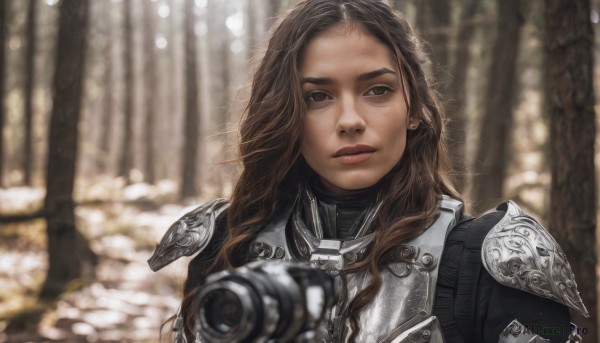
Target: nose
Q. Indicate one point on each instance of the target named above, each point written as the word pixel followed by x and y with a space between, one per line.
pixel 350 119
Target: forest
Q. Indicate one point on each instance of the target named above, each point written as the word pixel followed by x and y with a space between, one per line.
pixel 118 116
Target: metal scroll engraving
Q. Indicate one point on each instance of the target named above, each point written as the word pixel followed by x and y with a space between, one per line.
pixel 519 253
pixel 188 235
pixel 405 301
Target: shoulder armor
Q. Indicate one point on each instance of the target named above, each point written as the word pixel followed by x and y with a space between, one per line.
pixel 518 252
pixel 189 235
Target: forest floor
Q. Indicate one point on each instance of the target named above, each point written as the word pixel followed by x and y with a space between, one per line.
pixel 126 302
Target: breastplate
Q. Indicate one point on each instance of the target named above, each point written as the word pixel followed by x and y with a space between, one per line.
pixel 402 311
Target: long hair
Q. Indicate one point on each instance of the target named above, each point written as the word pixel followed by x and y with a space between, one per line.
pixel 271 137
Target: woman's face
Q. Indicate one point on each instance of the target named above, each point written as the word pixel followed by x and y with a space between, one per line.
pixel 355 126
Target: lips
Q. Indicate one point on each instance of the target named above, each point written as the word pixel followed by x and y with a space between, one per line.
pixel 354 150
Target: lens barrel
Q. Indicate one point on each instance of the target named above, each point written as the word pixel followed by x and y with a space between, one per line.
pixel 264 300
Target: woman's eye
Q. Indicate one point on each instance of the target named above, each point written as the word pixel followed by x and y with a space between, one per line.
pixel 378 90
pixel 317 96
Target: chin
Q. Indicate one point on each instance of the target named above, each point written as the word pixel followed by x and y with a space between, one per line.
pixel 351 184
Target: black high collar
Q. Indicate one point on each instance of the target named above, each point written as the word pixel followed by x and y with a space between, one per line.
pixel 342 215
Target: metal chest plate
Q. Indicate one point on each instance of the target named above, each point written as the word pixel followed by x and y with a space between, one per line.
pixel 402 310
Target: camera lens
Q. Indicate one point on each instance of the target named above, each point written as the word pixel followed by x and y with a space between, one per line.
pixel 264 301
pixel 224 310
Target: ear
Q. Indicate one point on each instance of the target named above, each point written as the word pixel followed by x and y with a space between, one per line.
pixel 413 123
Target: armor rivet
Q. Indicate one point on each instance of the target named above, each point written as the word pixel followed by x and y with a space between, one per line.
pixel 267 251
pixel 350 257
pixel 407 252
pixel 257 248
pixel 427 260
pixel 414 337
pixel 303 250
pixel 279 252
pixel 333 272
pixel 426 335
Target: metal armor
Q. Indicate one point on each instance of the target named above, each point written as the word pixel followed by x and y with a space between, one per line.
pixel 190 234
pixel 402 310
pixel 519 253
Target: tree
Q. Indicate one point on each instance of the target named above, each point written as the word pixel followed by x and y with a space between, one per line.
pixel 3 28
pixel 108 101
pixel 252 28
pixel 433 25
pixel 456 93
pixel 174 93
pixel 220 90
pixel 438 36
pixel 150 92
pixel 28 92
pixel 570 102
pixel 273 8
pixel 126 159
pixel 422 17
pixel 491 157
pixel 399 5
pixel 191 125
pixel 69 255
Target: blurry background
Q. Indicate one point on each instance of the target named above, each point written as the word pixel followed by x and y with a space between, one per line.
pixel 116 115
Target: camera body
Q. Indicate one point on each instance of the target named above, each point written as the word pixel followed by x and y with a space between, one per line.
pixel 266 302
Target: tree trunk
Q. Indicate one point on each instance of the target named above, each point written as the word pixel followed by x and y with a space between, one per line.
pixel 150 73
pixel 191 126
pixel 126 159
pixel 69 254
pixel 252 27
pixel 569 70
pixel 438 36
pixel 174 100
pixel 107 103
pixel 3 36
pixel 399 5
pixel 422 17
pixel 28 93
pixel 457 120
pixel 220 89
pixel 273 8
pixel 496 123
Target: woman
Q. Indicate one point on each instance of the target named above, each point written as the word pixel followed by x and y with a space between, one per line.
pixel 342 143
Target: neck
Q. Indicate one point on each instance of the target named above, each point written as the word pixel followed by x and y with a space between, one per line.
pixel 354 197
pixel 341 215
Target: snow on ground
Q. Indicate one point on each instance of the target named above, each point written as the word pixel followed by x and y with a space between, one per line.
pixel 127 302
pixel 19 199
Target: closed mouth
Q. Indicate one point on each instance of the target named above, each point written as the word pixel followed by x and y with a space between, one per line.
pixel 354 150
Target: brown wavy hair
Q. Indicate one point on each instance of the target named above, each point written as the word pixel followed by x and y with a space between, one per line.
pixel 271 136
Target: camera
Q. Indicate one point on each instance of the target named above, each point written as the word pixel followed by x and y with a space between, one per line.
pixel 266 301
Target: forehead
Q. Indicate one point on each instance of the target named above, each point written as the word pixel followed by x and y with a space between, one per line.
pixel 345 49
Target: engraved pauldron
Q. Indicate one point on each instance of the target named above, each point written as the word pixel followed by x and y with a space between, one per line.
pixel 519 253
pixel 189 235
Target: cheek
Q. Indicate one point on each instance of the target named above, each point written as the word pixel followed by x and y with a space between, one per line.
pixel 397 140
pixel 309 144
pixel 311 135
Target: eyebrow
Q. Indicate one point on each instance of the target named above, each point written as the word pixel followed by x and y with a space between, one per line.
pixel 361 78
